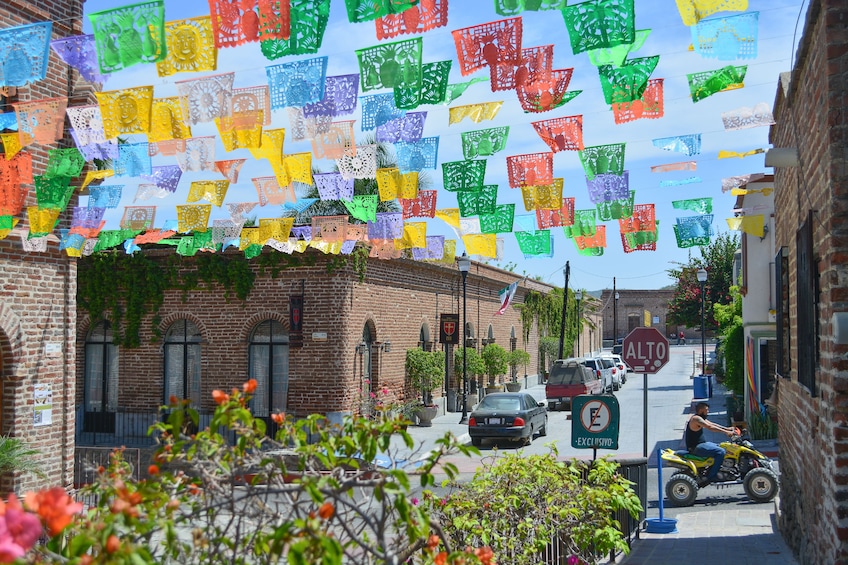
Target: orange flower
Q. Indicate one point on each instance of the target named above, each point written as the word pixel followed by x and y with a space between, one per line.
pixel 173 400
pixel 441 558
pixel 278 418
pixel 485 555
pixel 153 470
pixel 250 386
pixel 433 542
pixel 220 397
pixel 327 510
pixel 54 507
pixel 112 544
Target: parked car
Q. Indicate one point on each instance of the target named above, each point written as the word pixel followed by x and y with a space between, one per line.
pixel 617 372
pixel 516 416
pixel 603 367
pixel 622 367
pixel 570 378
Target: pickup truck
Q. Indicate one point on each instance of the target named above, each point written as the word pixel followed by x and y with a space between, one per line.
pixel 570 378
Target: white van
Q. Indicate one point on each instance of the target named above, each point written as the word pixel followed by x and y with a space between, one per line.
pixel 603 368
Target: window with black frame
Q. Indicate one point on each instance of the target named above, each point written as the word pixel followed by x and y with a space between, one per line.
pixel 101 380
pixel 183 362
pixel 781 278
pixel 807 291
pixel 268 360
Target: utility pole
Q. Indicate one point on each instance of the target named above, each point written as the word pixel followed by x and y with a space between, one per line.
pixel 566 272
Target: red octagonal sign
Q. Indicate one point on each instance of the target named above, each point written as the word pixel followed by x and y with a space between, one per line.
pixel 645 350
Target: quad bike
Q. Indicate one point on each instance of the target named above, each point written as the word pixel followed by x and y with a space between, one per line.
pixel 742 465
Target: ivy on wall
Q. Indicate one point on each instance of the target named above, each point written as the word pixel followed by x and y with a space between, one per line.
pixel 130 287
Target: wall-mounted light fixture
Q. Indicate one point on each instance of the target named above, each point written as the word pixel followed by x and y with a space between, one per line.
pixel 782 157
pixel 361 347
pixel 386 346
pixel 765 232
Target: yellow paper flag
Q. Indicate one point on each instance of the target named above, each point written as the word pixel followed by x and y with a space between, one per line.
pixel 167 120
pixel 414 235
pixel 483 244
pixel 193 217
pixel 727 154
pixel 212 190
pixel 275 228
pixel 95 175
pixel 191 47
pixel 126 111
pixel 476 112
pixel 754 225
pixel 449 215
pixel 11 144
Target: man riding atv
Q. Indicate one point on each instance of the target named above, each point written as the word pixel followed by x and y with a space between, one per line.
pixel 697 445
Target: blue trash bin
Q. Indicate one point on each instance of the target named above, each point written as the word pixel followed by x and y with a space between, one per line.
pixel 701 386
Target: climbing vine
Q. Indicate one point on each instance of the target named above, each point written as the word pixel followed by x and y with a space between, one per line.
pixel 130 287
pixel 543 309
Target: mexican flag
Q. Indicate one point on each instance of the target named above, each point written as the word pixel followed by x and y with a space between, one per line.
pixel 506 294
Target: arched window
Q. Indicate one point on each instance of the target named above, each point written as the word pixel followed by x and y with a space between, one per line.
pixel 268 360
pixel 182 362
pixel 490 334
pixel 101 379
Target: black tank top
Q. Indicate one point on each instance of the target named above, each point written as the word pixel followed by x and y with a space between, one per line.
pixel 693 438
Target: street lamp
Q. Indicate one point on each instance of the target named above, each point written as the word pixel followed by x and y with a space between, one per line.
pixel 464 264
pixel 615 321
pixel 702 279
pixel 578 296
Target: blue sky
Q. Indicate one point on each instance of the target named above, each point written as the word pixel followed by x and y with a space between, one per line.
pixel 669 39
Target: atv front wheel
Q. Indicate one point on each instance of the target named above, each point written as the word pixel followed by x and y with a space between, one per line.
pixel 681 490
pixel 761 484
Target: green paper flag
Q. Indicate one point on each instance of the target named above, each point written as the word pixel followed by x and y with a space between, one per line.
pixel 454 91
pixel 616 209
pixel 707 83
pixel 464 176
pixel 252 250
pixel 475 203
pixel 432 90
pixel 599 159
pixel 363 207
pixel 515 7
pixel 584 224
pixel 627 82
pixel 615 56
pixel 591 251
pixel 500 221
pixel 697 205
pixel 535 243
pixel 391 65
pixel 308 24
pixel 129 35
pixel 53 193
pixel 599 24
pixel 64 163
pixel 484 142
pixel 359 11
pixel 685 242
pixel 107 239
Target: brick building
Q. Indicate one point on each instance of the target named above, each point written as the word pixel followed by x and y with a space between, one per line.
pixel 352 340
pixel 38 290
pixel 811 272
pixel 631 309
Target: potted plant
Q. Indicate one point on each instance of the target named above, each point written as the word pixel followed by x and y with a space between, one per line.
pixel 496 362
pixel 516 357
pixel 425 370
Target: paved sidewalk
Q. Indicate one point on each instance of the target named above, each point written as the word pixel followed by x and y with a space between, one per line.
pixel 726 535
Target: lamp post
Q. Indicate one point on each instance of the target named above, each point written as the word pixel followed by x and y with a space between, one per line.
pixel 702 279
pixel 578 296
pixel 464 264
pixel 614 315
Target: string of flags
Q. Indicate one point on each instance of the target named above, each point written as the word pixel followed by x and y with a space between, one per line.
pixel 319 107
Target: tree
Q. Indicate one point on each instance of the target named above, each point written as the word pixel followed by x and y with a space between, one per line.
pixel 729 318
pixel 496 360
pixel 426 372
pixel 717 259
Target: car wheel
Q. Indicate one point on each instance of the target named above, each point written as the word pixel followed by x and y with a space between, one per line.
pixel 544 430
pixel 552 406
pixel 476 441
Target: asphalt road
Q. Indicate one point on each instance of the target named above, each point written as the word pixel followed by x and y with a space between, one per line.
pixel 670 392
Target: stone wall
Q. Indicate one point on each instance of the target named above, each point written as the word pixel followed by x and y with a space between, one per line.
pixel 632 304
pixel 810 114
pixel 38 290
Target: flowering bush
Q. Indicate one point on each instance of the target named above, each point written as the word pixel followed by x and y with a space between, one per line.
pixel 228 494
pixel 518 504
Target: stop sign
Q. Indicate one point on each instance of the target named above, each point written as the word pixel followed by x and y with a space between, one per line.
pixel 645 350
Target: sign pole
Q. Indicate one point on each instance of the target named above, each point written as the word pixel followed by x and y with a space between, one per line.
pixel 644 414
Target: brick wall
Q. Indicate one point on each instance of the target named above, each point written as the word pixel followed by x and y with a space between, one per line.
pixel 632 303
pixel 396 299
pixel 813 424
pixel 38 290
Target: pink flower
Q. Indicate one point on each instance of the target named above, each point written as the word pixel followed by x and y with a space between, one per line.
pixel 415 502
pixel 573 560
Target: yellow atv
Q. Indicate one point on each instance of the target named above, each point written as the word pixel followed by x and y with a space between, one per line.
pixel 742 464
